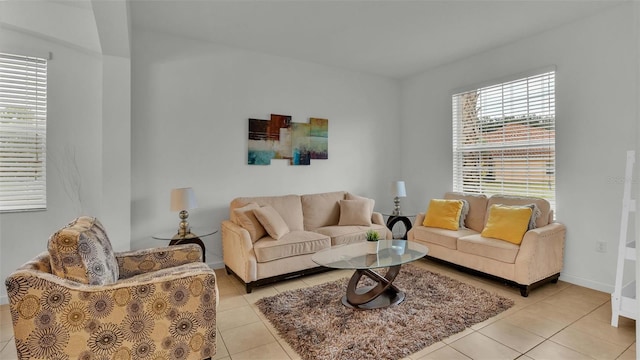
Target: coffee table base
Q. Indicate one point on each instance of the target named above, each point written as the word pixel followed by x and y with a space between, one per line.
pixel 381 295
pixel 382 301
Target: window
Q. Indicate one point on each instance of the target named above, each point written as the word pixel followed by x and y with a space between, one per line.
pixel 504 138
pixel 23 116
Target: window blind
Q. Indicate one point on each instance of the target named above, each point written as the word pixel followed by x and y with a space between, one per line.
pixel 504 138
pixel 23 115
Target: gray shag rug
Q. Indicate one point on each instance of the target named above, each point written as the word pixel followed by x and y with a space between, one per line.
pixel 316 324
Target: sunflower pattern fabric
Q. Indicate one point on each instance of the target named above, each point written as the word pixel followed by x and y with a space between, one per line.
pixel 163 306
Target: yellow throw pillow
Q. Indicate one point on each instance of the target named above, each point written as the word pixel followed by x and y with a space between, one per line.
pixel 508 223
pixel 444 214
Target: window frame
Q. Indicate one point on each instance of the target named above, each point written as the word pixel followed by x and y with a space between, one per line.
pixel 540 128
pixel 23 132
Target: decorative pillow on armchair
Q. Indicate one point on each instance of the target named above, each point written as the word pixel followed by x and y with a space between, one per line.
pixel 81 252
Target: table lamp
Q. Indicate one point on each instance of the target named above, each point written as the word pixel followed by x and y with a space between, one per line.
pixel 398 190
pixel 183 199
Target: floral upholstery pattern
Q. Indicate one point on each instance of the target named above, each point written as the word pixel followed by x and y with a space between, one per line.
pixel 163 306
pixel 81 251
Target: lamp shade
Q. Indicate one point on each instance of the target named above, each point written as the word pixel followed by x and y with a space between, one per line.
pixel 398 189
pixel 183 199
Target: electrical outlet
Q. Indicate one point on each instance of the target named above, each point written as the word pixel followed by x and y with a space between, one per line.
pixel 601 246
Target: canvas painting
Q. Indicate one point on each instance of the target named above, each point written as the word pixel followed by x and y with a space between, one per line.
pixel 280 138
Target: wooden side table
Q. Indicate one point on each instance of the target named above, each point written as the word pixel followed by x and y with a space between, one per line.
pixel 194 237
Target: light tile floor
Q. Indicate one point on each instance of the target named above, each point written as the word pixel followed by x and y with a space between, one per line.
pixel 556 321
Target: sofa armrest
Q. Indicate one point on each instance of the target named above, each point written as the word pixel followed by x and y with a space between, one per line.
pixel 237 251
pixel 378 219
pixel 131 263
pixel 541 253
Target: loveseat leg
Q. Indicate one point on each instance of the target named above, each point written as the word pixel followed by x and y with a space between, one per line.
pixel 248 288
pixel 229 272
pixel 524 290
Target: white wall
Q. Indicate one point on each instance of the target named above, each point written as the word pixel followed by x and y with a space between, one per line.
pixel 88 118
pixel 596 123
pixel 191 104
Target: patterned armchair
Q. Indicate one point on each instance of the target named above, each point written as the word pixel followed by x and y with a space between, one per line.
pixel 80 300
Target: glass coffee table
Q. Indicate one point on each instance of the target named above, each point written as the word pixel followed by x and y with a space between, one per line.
pixel 391 254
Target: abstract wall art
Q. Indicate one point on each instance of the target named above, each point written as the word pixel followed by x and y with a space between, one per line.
pixel 280 138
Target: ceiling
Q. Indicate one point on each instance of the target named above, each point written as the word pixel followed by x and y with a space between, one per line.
pixel 393 38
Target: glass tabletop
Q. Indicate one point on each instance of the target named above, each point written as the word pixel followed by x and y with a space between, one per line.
pixel 354 256
pixel 195 232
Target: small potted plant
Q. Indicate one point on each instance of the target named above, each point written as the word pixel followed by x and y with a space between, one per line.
pixel 372 241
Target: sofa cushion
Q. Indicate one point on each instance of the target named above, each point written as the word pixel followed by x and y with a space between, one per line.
pixel 508 223
pixel 489 248
pixel 444 214
pixel 81 252
pixel 247 219
pixel 442 237
pixel 477 208
pixel 272 221
pixel 292 244
pixel 355 212
pixel 341 235
pixel 288 206
pixel 350 196
pixel 546 214
pixel 321 209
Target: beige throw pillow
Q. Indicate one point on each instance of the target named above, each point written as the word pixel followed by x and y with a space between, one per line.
pixel 247 219
pixel 272 221
pixel 355 212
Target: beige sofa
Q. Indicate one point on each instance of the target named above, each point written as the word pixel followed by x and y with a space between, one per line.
pixel 313 222
pixel 537 259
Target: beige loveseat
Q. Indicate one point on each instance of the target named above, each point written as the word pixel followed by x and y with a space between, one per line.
pixel 538 258
pixel 313 222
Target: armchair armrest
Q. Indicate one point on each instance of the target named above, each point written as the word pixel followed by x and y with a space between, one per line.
pixel 541 253
pixel 80 320
pixel 131 263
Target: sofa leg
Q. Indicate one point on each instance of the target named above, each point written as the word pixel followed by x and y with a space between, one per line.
pixel 229 272
pixel 554 279
pixel 524 290
pixel 248 288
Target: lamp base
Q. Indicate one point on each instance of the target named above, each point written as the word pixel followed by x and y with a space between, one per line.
pixel 184 231
pixel 396 207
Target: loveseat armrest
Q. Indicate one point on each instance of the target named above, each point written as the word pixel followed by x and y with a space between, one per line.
pixel 418 222
pixel 131 263
pixel 541 254
pixel 237 251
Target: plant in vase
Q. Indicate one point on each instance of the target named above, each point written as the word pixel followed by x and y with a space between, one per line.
pixel 372 241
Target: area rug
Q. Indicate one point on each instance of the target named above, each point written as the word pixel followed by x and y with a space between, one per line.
pixel 317 326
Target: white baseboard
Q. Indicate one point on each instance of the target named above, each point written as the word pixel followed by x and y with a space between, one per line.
pixel 4 299
pixel 587 283
pixel 216 264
